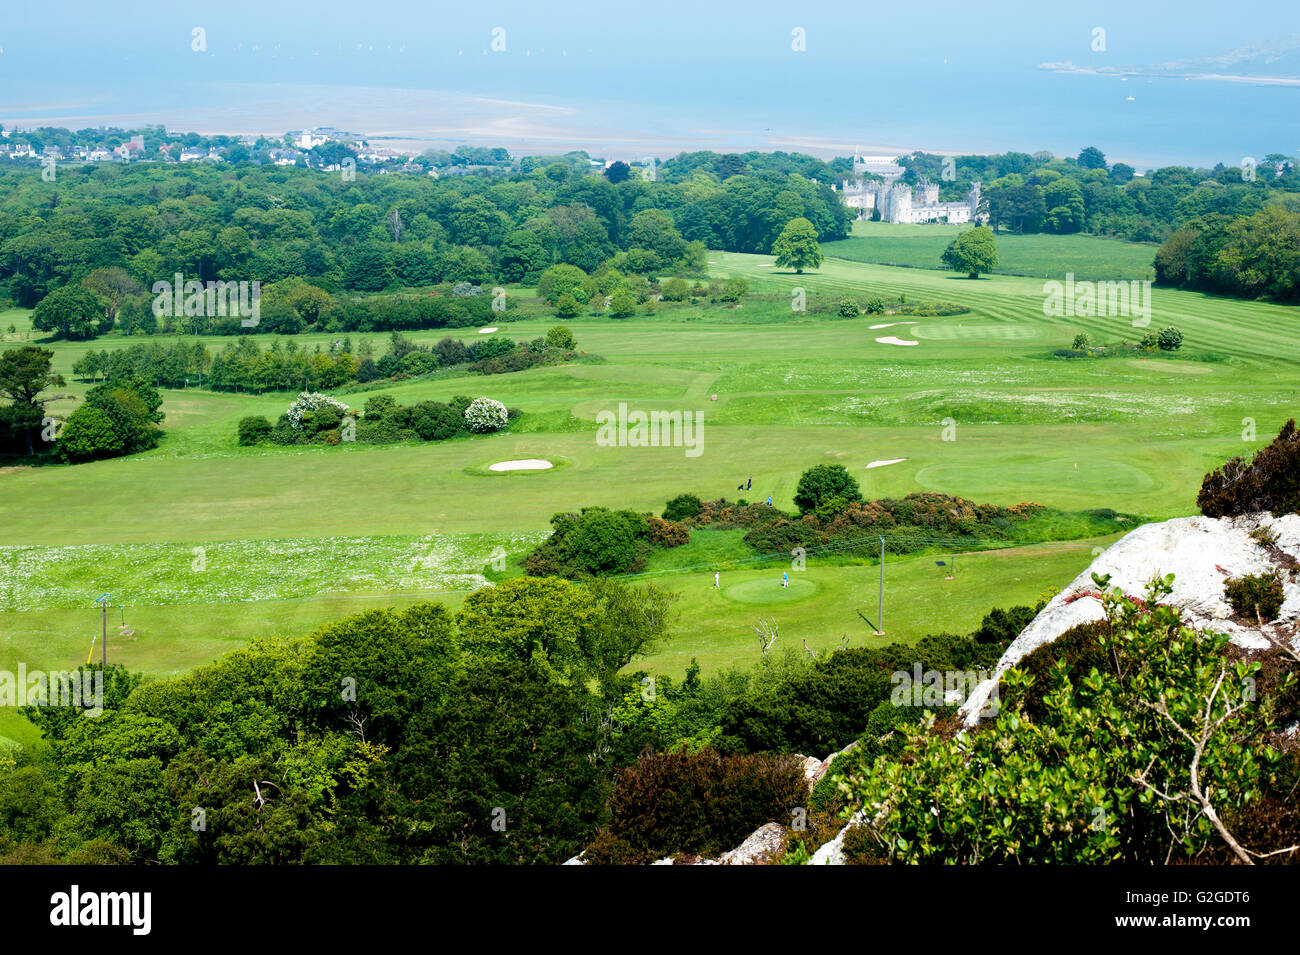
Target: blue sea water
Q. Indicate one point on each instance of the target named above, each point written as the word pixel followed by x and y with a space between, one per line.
pixel 623 79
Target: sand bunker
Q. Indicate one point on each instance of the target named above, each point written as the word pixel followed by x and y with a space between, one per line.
pixel 891 340
pixel 881 464
pixel 487 331
pixel 528 464
pixel 892 324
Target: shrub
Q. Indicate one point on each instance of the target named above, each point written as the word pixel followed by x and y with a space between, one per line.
pixel 567 306
pixel 875 307
pixel 1170 339
pixel 676 290
pixel 595 541
pixel 848 308
pixel 368 371
pixel 697 803
pixel 485 415
pixel 667 533
pixel 312 401
pixel 682 507
pixel 561 337
pixel 420 363
pixel 622 305
pixel 1081 341
pixel 733 290
pixel 494 347
pixel 435 421
pixel 254 429
pixel 1270 481
pixel 1255 596
pixel 88 434
pixel 1078 650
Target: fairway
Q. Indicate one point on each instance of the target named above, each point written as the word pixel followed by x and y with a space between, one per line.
pixel 207 545
pixel 1045 256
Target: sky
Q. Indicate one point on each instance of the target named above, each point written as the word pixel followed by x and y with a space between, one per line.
pixel 663 76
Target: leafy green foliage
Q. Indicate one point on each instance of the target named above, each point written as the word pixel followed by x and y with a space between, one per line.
pixel 1127 764
pixel 796 247
pixel 974 251
pixel 823 484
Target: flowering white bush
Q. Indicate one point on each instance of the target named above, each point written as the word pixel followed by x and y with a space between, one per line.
pixel 485 414
pixel 310 401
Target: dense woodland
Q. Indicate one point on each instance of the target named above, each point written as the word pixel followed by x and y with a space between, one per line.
pixel 379 232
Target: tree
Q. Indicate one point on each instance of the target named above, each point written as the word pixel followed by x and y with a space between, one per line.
pixel 1092 158
pixel 622 304
pixel 89 433
pixel 972 252
pixel 618 171
pixel 1170 339
pixel 24 374
pixel 1065 208
pixel 796 247
pixel 521 255
pixel 655 230
pixel 559 280
pixel 70 312
pixel 542 620
pixel 112 286
pixel 825 482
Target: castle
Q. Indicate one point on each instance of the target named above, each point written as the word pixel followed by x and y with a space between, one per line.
pixel 898 202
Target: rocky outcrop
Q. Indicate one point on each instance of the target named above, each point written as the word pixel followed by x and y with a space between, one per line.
pixel 765 842
pixel 1201 553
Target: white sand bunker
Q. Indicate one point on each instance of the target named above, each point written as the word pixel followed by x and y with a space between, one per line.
pixel 528 464
pixel 892 324
pixel 891 340
pixel 881 464
pixel 487 331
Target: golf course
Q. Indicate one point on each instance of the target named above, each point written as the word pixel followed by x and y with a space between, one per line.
pixel 203 544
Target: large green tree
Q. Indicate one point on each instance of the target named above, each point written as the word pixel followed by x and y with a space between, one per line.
pixel 972 252
pixel 24 374
pixel 796 247
pixel 70 312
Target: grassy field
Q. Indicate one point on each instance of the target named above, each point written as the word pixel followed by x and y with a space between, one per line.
pixel 980 408
pixel 1042 256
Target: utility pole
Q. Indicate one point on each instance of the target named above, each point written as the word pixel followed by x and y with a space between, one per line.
pixel 880 607
pixel 104 601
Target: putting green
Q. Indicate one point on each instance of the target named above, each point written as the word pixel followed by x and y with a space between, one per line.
pixel 768 590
